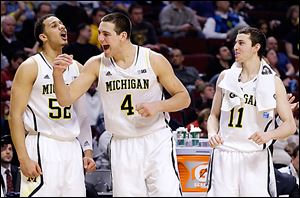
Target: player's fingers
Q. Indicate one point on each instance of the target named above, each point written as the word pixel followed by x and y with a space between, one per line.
pixel 218 139
pixel 38 169
pixel 213 141
pixel 65 60
pixel 139 107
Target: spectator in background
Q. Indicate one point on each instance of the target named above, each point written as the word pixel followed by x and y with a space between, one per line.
pixel 289 83
pixel 21 11
pixel 273 62
pixel 223 60
pixel 82 50
pixel 224 23
pixel 177 20
pixel 206 93
pixel 292 37
pixel 7 76
pixel 115 6
pixel 96 17
pixel 203 9
pixel 9 41
pixel 143 32
pixel 263 26
pixel 201 121
pixel 71 14
pixel 4 61
pixel 293 167
pixel 242 8
pixel 27 33
pixel 188 75
pixel 10 174
pixel 284 65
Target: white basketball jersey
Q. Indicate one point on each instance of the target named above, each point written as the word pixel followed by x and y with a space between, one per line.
pixel 237 125
pixel 43 113
pixel 122 89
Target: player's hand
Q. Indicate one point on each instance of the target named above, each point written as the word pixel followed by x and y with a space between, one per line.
pixel 215 140
pixel 61 63
pixel 260 137
pixel 146 109
pixel 89 164
pixel 295 105
pixel 30 168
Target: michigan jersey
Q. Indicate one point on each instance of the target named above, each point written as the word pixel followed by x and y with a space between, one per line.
pixel 43 113
pixel 237 125
pixel 122 89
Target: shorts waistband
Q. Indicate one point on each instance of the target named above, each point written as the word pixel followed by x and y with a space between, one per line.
pixel 52 136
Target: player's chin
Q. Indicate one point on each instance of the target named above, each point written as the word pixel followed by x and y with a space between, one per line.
pixel 64 43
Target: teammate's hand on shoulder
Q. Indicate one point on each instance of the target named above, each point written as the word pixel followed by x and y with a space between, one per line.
pixel 146 109
pixel 61 63
pixel 215 140
pixel 89 164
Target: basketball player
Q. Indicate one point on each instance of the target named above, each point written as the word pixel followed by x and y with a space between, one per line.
pixel 131 81
pixel 241 164
pixel 51 154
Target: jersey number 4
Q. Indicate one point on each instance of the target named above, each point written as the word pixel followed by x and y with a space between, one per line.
pixel 58 112
pixel 240 118
pixel 127 105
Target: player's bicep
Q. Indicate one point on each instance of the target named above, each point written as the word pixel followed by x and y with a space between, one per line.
pixel 82 83
pixel 21 87
pixel 282 105
pixel 166 75
pixel 217 100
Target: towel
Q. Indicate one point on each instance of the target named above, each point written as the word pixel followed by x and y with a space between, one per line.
pixel 265 88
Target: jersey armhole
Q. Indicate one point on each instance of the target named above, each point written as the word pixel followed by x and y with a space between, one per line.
pixel 38 69
pixel 100 69
pixel 148 62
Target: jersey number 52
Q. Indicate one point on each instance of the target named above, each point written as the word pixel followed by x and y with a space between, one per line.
pixel 58 112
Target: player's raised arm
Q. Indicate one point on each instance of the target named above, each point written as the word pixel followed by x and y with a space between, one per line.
pixel 68 94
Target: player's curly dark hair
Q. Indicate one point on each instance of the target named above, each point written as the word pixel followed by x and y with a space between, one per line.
pixel 39 28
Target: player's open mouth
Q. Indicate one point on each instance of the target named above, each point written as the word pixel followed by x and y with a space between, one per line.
pixel 64 36
pixel 105 47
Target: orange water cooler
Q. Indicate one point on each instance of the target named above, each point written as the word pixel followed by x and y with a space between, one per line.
pixel 192 165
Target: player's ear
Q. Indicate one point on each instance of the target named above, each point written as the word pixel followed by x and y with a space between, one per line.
pixel 124 35
pixel 43 37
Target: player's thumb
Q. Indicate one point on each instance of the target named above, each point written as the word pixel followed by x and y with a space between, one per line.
pixel 38 169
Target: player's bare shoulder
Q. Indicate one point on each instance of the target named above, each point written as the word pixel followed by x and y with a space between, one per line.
pixel 159 63
pixel 93 64
pixel 28 70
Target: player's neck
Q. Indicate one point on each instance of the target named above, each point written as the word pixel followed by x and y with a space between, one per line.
pixel 126 55
pixel 250 69
pixel 51 54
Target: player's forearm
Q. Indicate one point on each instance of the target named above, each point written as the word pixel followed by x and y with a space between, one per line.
pixel 61 91
pixel 88 153
pixel 212 125
pixel 177 102
pixel 286 129
pixel 18 136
